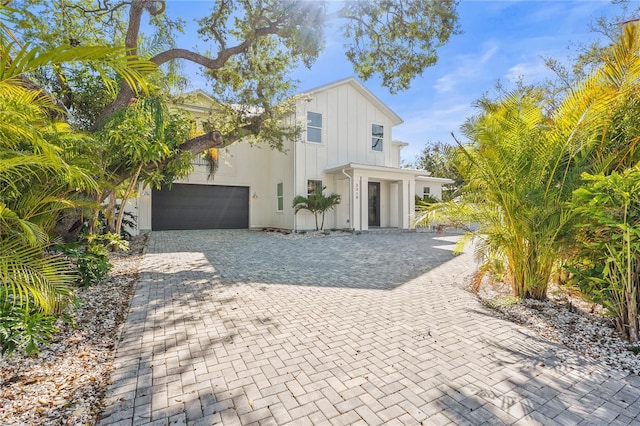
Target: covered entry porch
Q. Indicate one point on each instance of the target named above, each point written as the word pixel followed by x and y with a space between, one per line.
pixel 375 196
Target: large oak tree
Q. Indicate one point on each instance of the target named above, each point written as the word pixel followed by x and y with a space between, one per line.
pixel 250 49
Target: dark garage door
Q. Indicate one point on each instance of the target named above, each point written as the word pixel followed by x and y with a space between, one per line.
pixel 200 207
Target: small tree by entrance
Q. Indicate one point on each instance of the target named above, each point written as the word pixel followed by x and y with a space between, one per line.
pixel 317 203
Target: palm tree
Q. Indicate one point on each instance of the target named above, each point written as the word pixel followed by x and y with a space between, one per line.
pixel 522 165
pixel 506 170
pixel 37 183
pixel 317 203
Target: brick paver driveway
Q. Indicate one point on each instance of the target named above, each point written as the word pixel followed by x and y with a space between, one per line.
pixel 240 327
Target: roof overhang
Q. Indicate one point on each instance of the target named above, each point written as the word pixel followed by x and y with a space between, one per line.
pixel 435 179
pixel 381 169
pixel 399 143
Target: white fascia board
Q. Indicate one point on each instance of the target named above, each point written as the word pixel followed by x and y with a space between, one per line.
pixel 367 167
pixel 434 179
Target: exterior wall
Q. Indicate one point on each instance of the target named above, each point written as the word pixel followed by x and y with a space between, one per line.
pixel 346 131
pixel 281 171
pixel 347 118
pixel 240 164
pixel 395 155
pixel 348 114
pixel 342 210
pixel 434 187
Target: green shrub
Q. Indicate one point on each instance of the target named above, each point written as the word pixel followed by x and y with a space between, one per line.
pixel 129 221
pixel 91 263
pixel 92 259
pixel 24 330
pixel 93 267
pixel 607 263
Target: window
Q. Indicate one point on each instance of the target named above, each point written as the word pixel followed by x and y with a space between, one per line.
pixel 313 186
pixel 314 127
pixel 377 134
pixel 426 193
pixel 280 196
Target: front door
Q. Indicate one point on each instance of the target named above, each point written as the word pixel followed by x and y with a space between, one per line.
pixel 374 203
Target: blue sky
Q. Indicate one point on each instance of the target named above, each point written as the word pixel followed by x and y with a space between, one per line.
pixel 500 40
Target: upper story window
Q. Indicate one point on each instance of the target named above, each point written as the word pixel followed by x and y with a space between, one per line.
pixel 313 186
pixel 377 135
pixel 314 127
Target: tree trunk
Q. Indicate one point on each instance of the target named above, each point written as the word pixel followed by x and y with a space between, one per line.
pixel 632 311
pixel 126 196
pixel 69 225
pixel 131 42
pixel 96 214
pixel 110 213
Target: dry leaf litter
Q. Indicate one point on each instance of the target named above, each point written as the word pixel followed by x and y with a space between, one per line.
pixel 565 318
pixel 65 383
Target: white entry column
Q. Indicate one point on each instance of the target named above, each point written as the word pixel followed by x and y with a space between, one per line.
pixel 411 216
pixel 394 215
pixel 364 203
pixel 404 197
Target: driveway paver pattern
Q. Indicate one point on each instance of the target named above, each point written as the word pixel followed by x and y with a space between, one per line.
pixel 243 327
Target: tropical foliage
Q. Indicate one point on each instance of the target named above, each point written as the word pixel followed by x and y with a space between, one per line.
pixel 317 203
pixel 132 143
pixel 37 183
pixel 523 165
pixel 248 60
pixel 508 191
pixel 438 159
pixel 607 261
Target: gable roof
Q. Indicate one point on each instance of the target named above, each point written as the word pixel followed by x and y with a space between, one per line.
pixel 353 82
pixel 183 99
pixel 196 100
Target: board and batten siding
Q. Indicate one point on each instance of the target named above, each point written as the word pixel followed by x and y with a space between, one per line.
pixel 347 118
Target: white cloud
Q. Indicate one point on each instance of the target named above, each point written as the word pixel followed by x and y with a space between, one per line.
pixel 533 71
pixel 488 54
pixel 467 67
pixel 446 83
pixel 430 124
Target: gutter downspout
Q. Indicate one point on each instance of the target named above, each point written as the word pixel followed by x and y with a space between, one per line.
pixel 350 200
pixel 361 201
pixel 295 170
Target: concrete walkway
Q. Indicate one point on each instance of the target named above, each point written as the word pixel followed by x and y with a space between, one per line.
pixel 240 327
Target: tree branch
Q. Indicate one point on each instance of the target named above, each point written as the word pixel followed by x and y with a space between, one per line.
pixel 210 63
pixel 207 141
pixel 125 94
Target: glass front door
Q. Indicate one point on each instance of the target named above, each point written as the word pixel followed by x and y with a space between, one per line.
pixel 374 203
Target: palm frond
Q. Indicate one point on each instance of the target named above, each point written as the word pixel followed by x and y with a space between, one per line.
pixel 18 61
pixel 31 277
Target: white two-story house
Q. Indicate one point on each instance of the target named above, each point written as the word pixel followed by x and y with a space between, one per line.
pixel 347 147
